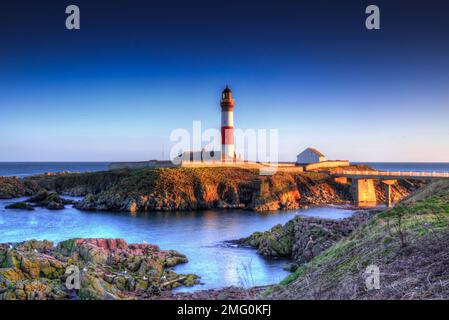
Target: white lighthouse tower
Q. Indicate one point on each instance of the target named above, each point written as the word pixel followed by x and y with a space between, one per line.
pixel 227 126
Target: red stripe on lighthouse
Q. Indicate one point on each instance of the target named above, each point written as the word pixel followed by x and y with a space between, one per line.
pixel 227 135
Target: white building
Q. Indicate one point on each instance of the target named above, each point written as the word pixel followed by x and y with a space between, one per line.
pixel 310 155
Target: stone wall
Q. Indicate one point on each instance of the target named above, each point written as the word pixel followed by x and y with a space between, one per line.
pixel 141 165
pixel 284 167
pixel 327 164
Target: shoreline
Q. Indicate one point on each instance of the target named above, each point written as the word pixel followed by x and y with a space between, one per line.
pixel 202 190
pixel 197 293
pixel 187 189
pixel 331 246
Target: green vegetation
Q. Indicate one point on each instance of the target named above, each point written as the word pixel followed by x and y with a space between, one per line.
pixel 277 242
pixel 137 181
pixel 184 189
pixel 402 241
pixel 34 270
pixel 203 188
pixel 20 205
pixel 13 187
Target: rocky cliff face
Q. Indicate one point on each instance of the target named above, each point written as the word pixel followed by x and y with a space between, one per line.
pixel 108 269
pixel 198 188
pixel 13 187
pixel 205 188
pixel 303 238
pixel 77 184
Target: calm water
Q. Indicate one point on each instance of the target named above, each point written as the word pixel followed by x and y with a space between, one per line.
pixel 22 169
pixel 410 166
pixel 199 235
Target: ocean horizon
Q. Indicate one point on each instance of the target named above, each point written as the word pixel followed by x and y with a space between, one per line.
pixel 23 169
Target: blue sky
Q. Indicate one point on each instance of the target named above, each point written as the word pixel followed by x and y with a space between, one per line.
pixel 137 70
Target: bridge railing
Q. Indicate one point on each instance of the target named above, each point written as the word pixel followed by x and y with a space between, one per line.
pixel 390 173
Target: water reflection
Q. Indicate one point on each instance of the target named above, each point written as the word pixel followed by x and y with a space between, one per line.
pixel 199 235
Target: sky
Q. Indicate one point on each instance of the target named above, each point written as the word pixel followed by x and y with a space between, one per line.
pixel 137 70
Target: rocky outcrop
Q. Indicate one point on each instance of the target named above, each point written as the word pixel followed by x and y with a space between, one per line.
pixel 50 200
pixel 227 293
pixel 205 188
pixel 108 269
pixel 20 206
pixel 303 238
pixel 13 187
pixel 202 188
pixel 77 184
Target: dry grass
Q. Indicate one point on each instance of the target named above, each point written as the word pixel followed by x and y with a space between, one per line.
pixel 416 270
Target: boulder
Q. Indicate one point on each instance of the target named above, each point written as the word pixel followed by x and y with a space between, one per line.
pixel 20 206
pixel 55 206
pixel 50 200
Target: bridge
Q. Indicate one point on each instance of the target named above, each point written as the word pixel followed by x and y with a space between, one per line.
pixel 363 190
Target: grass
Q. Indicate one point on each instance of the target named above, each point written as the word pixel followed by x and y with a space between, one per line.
pixel 190 188
pixel 377 242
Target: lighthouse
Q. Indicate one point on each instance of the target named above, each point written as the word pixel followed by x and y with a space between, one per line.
pixel 227 125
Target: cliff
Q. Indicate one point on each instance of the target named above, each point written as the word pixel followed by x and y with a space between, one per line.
pixel 201 188
pixel 13 187
pixel 407 243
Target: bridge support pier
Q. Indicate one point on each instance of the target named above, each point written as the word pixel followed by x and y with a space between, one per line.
pixel 388 192
pixel 341 180
pixel 362 188
pixel 363 192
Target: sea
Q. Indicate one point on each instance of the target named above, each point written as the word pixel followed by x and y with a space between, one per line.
pixel 201 235
pixel 23 169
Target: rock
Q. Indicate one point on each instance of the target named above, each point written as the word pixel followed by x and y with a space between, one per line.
pixel 303 238
pixel 50 200
pixel 20 205
pixel 39 197
pixel 291 267
pixel 13 187
pixel 55 206
pixel 91 253
pixel 108 268
pixel 277 242
pixel 190 280
pixel 175 258
pixel 167 189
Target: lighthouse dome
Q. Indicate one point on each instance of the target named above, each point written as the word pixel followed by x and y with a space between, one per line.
pixel 227 94
pixel 226 90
